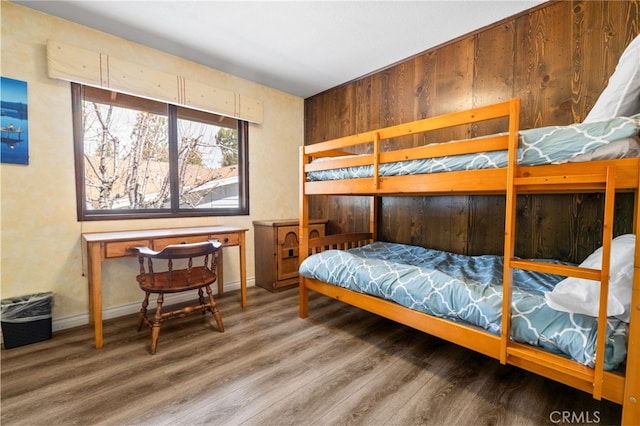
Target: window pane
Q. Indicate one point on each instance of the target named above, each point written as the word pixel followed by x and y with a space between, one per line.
pixel 208 175
pixel 126 157
pixel 140 158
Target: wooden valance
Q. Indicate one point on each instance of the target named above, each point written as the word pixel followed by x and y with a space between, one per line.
pixel 101 70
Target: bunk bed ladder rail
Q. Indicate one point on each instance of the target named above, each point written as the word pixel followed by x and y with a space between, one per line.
pixel 376 161
pixel 597 181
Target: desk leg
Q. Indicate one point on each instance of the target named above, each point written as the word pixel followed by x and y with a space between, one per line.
pixel 95 290
pixel 220 277
pixel 243 271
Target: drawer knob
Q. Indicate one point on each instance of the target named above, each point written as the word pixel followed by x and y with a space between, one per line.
pixel 226 240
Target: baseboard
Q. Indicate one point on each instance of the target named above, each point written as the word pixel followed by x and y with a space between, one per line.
pixel 130 308
pixel 63 323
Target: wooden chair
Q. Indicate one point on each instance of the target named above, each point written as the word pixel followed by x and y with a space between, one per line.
pixel 172 280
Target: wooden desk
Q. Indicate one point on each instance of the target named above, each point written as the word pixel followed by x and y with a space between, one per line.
pixel 112 245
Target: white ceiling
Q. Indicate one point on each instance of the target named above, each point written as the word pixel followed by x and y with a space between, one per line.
pixel 299 47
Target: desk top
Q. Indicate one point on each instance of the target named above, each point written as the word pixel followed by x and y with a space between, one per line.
pixel 160 233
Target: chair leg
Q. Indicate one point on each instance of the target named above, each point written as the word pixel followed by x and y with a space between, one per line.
pixel 214 310
pixel 201 299
pixel 143 311
pixel 155 329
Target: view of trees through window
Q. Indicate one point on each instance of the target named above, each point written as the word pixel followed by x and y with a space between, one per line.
pixel 145 156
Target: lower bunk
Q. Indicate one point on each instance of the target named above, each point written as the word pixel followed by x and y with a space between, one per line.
pixel 370 279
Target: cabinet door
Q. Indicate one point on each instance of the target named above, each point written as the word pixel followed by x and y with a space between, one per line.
pixel 287 252
pixel 316 231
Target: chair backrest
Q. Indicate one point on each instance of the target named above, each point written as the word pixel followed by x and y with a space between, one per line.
pixel 180 251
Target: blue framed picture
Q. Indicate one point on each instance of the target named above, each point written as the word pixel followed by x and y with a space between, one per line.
pixel 14 121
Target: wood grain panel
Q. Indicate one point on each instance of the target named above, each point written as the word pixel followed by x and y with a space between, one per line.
pixel 623 223
pixel 425 84
pixel 435 222
pixel 494 64
pixel 494 67
pixel 368 99
pixel 348 214
pixel 566 226
pixel 543 66
pixel 550 224
pixel 486 225
pixel 556 57
pixel 601 31
pixel 398 104
pixel 453 84
pixel 409 211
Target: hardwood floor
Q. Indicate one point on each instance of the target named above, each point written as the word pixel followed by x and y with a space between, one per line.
pixel 340 366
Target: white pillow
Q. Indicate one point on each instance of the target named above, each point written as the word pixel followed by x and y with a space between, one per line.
pixel 581 296
pixel 621 97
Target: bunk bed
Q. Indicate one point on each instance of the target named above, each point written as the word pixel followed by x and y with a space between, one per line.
pixel 509 163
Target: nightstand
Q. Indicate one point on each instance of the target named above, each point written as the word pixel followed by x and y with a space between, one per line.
pixel 276 251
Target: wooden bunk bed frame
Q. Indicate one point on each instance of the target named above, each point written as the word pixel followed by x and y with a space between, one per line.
pixel 606 176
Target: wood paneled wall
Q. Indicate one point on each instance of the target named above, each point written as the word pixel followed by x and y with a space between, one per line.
pixel 556 57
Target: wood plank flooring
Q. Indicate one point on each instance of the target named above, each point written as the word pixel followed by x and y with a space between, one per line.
pixel 341 366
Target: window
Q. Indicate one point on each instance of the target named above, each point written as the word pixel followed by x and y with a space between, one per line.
pixel 138 158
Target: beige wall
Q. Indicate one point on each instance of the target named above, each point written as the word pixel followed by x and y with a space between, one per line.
pixel 41 246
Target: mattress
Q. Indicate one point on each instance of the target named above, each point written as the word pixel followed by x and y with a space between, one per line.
pixel 468 289
pixel 614 138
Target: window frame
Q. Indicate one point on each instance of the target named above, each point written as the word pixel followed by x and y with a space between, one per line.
pixel 175 211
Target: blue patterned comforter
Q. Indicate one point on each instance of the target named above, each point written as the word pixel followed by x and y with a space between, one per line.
pixel 546 145
pixel 468 289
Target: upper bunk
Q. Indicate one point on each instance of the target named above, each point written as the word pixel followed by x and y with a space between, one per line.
pixel 364 163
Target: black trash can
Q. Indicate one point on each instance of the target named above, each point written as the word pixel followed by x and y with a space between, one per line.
pixel 26 319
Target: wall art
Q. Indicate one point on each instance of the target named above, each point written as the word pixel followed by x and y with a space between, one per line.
pixel 14 129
